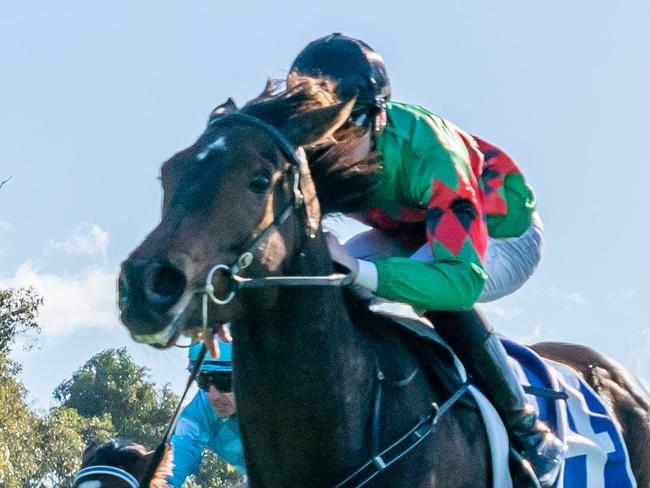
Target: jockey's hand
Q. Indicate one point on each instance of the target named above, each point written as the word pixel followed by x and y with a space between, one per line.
pixel 341 256
pixel 224 333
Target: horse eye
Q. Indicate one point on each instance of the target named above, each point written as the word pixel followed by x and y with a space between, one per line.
pixel 260 183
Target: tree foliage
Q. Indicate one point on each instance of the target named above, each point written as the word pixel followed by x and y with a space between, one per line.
pixel 18 312
pixel 111 383
pixel 64 435
pixel 19 451
pixel 19 446
pixel 214 473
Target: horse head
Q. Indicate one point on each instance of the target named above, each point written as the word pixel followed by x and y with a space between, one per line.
pixel 120 466
pixel 223 199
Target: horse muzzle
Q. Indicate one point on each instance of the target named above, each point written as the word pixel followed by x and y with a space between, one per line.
pixel 148 294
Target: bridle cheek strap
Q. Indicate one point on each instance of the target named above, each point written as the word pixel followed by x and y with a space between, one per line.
pixel 107 470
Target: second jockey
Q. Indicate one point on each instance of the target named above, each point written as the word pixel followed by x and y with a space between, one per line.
pixel 209 421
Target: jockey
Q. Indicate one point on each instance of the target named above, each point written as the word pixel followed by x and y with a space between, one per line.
pixel 454 223
pixel 209 420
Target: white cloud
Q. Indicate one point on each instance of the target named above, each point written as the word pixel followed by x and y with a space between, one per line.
pixel 568 299
pixel 85 299
pixel 502 311
pixel 535 335
pixel 5 226
pixel 89 239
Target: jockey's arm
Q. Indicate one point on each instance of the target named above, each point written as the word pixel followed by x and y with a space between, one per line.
pixel 509 202
pixel 439 285
pixel 450 275
pixel 188 441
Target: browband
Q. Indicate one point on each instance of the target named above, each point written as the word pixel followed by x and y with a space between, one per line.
pixel 285 145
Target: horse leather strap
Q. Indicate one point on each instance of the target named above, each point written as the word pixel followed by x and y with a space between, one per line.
pixel 107 470
pixel 547 393
pixel 299 172
pixel 405 444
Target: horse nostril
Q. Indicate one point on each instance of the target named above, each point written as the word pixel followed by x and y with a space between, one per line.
pixel 164 285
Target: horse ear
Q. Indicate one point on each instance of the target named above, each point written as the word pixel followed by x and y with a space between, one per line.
pixel 317 125
pixel 88 453
pixel 226 108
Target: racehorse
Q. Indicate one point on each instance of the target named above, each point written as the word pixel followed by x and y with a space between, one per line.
pixel 324 387
pixel 120 465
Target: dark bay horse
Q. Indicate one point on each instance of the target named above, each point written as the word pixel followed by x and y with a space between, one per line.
pixel 308 362
pixel 120 465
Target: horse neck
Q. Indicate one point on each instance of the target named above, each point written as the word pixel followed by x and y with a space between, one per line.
pixel 301 319
pixel 304 364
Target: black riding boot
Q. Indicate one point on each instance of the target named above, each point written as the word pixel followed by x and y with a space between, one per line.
pixel 483 355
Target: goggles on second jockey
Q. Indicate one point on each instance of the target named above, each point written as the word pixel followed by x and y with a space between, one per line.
pixel 221 380
pixel 364 114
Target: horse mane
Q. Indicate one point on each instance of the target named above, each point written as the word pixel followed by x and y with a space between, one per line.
pixel 343 182
pixel 130 457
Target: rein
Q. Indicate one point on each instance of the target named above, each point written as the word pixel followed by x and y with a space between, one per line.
pixel 380 461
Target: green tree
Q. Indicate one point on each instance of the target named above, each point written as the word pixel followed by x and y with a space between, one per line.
pixel 214 473
pixel 18 312
pixel 111 383
pixel 35 451
pixel 19 447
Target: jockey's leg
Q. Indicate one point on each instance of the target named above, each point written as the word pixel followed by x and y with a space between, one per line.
pixel 482 353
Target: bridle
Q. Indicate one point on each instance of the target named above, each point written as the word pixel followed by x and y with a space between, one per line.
pixel 107 470
pixel 298 172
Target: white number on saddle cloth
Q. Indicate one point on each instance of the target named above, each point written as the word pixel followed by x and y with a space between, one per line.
pixel 589 451
pixel 597 456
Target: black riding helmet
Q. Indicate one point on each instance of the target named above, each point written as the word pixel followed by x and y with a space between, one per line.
pixel 353 65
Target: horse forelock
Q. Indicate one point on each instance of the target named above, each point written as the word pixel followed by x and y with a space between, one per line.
pixel 332 164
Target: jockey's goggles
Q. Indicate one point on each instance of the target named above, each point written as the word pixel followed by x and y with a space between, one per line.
pixel 221 380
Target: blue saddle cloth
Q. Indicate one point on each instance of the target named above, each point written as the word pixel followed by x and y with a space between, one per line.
pixel 597 456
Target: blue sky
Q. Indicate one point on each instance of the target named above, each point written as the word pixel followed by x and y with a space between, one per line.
pixel 94 96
